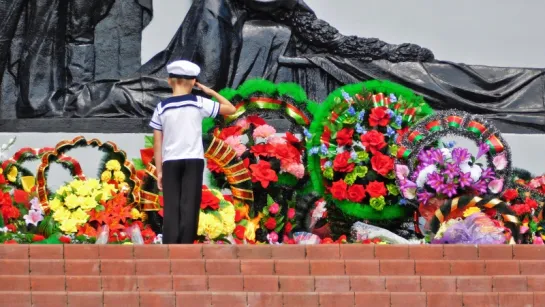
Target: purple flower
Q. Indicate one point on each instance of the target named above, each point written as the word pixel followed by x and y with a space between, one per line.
pixel 460 155
pixel 407 184
pixel 449 188
pixel 425 157
pixel 465 180
pixel 480 186
pixel 424 197
pixel 451 170
pixel 483 149
pixel 437 156
pixel 488 173
pixel 435 181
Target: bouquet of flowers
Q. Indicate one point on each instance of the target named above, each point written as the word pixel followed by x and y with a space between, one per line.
pixel 527 210
pixel 270 158
pixel 448 172
pixel 216 218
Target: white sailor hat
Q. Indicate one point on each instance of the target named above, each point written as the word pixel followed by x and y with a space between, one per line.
pixel 183 69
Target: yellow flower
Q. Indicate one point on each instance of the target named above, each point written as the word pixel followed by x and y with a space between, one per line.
pixel 214 227
pixel 471 211
pixel 1 171
pixel 61 214
pixel 119 176
pixel 203 220
pixel 127 243
pixel 72 201
pixel 68 226
pixel 113 165
pixel 106 176
pixel 93 183
pixel 12 174
pixel 76 184
pixel 79 216
pixel 84 190
pixel 55 204
pixel 228 219
pixel 135 214
pixel 89 203
pixel 64 190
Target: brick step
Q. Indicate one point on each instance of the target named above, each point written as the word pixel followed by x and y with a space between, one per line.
pixel 268 283
pixel 270 267
pixel 268 299
pixel 311 252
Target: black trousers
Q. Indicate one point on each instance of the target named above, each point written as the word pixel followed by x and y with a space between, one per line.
pixel 182 188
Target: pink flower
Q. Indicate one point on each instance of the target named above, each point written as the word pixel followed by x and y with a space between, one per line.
pixel 500 161
pixel 33 217
pixel 276 140
pixel 273 237
pixel 296 169
pixel 291 213
pixel 234 142
pixel 496 186
pixel 274 208
pixel 402 171
pixel 243 123
pixel 264 131
pixel 538 241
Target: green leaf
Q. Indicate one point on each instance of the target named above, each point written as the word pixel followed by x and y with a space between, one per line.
pixel 279 227
pixel 270 200
pixel 98 198
pixel 138 164
pixel 1 220
pixel 217 215
pixel 100 208
pixel 148 140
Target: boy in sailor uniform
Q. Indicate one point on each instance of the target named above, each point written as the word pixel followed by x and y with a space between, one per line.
pixel 179 153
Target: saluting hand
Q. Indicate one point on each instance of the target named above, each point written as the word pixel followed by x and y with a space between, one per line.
pixel 205 89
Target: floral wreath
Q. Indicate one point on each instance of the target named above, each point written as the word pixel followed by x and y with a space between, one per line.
pixel 262 97
pixel 352 144
pixel 109 147
pixel 21 177
pixel 422 170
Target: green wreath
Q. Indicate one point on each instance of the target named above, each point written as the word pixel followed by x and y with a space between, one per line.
pixel 345 171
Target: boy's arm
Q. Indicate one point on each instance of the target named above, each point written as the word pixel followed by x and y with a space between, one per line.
pixel 158 154
pixel 226 108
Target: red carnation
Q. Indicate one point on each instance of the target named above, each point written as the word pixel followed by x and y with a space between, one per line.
pixel 213 166
pixel 341 163
pixel 263 173
pixel 209 200
pixel 373 141
pixel 2 179
pixel 292 139
pixel 256 120
pixel 356 193
pixel 338 189
pixel 240 231
pixel 379 117
pixel 270 224
pixel 382 164
pixel 11 242
pixel 531 203
pixel 20 197
pixel 376 189
pixel 230 131
pixel 344 136
pixel 510 195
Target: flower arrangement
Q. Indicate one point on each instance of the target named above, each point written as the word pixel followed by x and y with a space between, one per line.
pixel 113 174
pixel 269 157
pixel 356 143
pixel 73 202
pixel 448 172
pixel 474 227
pixel 527 209
pixel 216 217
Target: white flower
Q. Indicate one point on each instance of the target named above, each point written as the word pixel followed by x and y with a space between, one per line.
pixel 423 175
pixel 446 154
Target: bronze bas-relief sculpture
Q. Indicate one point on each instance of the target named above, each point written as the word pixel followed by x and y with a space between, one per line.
pixel 282 41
